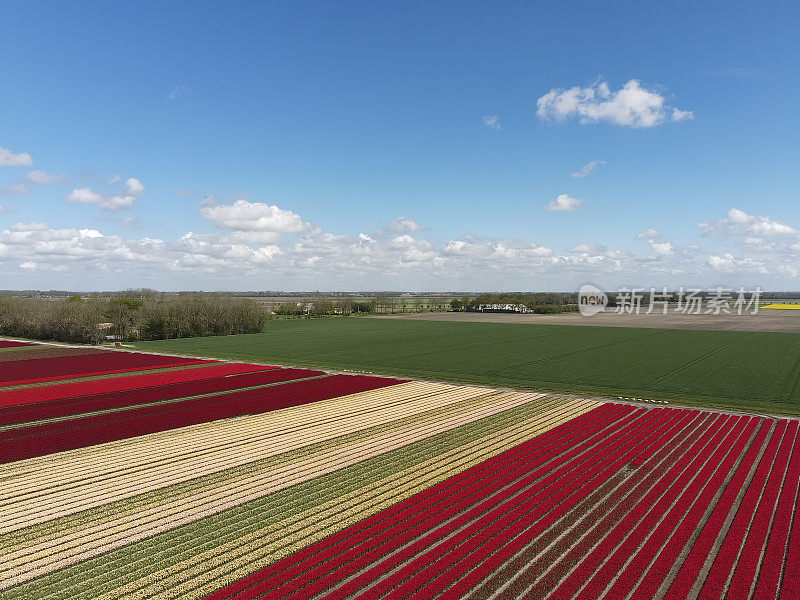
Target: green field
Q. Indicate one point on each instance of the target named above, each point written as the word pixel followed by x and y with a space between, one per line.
pixel 751 371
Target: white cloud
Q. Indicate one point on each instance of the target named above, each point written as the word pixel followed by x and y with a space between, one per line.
pixel 179 90
pixel 661 248
pixel 492 121
pixel 403 224
pixel 43 177
pixel 114 179
pixel 565 203
pixel 11 159
pixel 84 195
pixel 738 222
pixel 587 169
pixel 184 192
pixel 87 196
pixel 254 221
pixel 133 187
pixel 650 234
pixel 313 259
pixel 631 106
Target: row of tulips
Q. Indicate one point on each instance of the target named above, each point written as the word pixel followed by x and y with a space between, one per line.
pixel 105 385
pixel 746 536
pixel 490 540
pixel 474 488
pixel 527 567
pixel 158 393
pixel 39 440
pixel 698 555
pixel 10 344
pixel 40 370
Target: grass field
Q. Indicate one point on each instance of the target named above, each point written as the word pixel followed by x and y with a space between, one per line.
pixel 752 371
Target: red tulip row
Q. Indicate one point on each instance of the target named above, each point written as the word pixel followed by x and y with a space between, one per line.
pixel 492 540
pixel 694 561
pixel 631 537
pixel 750 559
pixel 59 391
pixel 20 372
pixel 560 558
pixel 514 517
pixel 765 484
pixel 536 457
pixel 8 344
pixel 111 400
pixel 687 515
pixel 790 504
pixel 38 440
pixel 441 516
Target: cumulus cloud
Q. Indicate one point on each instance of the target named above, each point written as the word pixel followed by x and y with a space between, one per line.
pixel 631 106
pixel 87 196
pixel 251 247
pixel 403 224
pixel 134 187
pixel 254 221
pixel 43 177
pixel 649 234
pixel 587 169
pixel 492 121
pixel 11 159
pixel 114 179
pixel 565 203
pixel 738 222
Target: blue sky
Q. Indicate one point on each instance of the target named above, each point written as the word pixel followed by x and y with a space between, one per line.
pixel 376 145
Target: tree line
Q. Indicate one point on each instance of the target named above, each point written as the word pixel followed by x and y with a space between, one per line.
pixel 129 316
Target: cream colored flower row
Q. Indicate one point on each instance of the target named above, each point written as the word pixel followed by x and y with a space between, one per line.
pixel 95 462
pixel 37 559
pixel 258 437
pixel 198 576
pixel 325 459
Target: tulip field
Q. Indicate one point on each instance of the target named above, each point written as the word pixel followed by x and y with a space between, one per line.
pixel 127 475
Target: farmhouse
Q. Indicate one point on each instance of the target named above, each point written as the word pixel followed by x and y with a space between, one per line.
pixel 506 308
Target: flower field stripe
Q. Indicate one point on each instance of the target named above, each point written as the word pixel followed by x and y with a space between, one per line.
pixel 717 581
pixel 625 566
pixel 40 370
pixel 515 571
pixel 61 391
pixel 126 455
pixel 592 561
pixel 701 551
pixel 777 546
pixel 57 437
pixel 282 507
pixel 307 527
pixel 10 344
pixel 475 544
pixel 563 435
pixel 454 516
pixel 187 505
pixel 30 499
pixel 76 472
pixel 746 571
pixel 158 393
pixel 690 521
pixel 791 574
